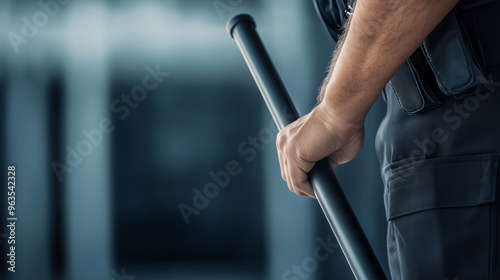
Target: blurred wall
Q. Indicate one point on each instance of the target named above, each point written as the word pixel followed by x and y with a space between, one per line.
pixel 144 151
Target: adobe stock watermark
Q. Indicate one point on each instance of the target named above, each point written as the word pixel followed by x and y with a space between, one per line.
pixel 309 265
pixel 224 6
pixel 121 106
pixel 31 26
pixel 454 118
pixel 249 149
pixel 121 276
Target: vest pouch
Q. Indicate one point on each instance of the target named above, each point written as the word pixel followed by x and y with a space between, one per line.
pixel 415 86
pixel 452 58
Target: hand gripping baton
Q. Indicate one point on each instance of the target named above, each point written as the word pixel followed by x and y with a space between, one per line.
pixel 331 198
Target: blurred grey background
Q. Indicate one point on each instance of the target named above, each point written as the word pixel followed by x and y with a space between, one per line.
pixel 143 149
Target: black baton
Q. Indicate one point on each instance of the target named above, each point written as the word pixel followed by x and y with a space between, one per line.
pixel 331 198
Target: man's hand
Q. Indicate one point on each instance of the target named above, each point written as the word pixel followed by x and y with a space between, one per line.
pixel 317 135
pixel 380 36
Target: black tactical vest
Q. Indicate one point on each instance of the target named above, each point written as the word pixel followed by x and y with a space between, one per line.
pixel 452 61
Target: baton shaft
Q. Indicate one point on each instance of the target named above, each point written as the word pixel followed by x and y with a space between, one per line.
pixel 331 198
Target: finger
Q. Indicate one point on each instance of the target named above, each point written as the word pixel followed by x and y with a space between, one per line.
pixel 296 191
pixel 311 194
pixel 281 157
pixel 287 177
pixel 282 165
pixel 285 170
pixel 333 163
pixel 299 192
pixel 298 180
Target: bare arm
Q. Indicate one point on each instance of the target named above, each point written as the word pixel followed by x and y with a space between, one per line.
pixel 381 35
pixel 331 66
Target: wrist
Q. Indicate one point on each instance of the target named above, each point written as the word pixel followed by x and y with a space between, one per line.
pixel 346 106
pixel 332 117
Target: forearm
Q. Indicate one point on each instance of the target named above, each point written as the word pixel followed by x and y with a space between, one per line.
pixel 331 65
pixel 382 34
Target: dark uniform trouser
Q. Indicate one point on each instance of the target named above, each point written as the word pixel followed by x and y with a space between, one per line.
pixel 441 169
pixel 442 210
pixel 441 174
